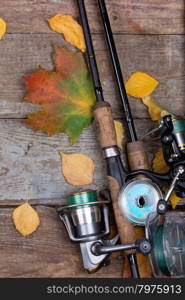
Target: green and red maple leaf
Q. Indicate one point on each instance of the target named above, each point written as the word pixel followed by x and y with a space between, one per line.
pixel 66 95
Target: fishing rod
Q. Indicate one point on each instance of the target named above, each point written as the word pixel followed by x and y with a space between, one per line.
pixel 165 233
pixel 86 214
pixel 85 217
pixel 171 131
pixel 138 196
pixel 116 173
pixel 118 73
pixel 144 194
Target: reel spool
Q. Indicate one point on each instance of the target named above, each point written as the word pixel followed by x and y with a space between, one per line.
pixel 179 131
pixel 172 130
pixel 167 236
pixel 138 199
pixel 85 217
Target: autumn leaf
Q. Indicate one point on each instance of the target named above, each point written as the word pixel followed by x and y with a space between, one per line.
pixel 155 110
pixel 2 28
pixel 70 28
pixel 140 85
pixel 159 165
pixel 78 169
pixel 143 261
pixel 66 95
pixel 174 199
pixel 120 134
pixel 26 219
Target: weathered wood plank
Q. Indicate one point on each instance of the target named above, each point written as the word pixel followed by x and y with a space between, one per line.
pixel 133 17
pixel 29 159
pixel 46 253
pixel 159 56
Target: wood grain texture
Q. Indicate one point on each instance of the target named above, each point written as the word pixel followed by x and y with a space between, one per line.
pixel 133 17
pixel 149 37
pixel 31 161
pixel 160 56
pixel 46 253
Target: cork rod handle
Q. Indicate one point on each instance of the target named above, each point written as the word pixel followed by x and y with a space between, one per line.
pixel 105 124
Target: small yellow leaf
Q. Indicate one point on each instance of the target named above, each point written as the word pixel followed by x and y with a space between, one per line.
pixel 159 165
pixel 26 219
pixel 155 110
pixel 70 28
pixel 120 134
pixel 78 169
pixel 140 85
pixel 2 28
pixel 175 199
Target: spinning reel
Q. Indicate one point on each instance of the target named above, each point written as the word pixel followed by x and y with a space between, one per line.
pixel 87 222
pixel 172 132
pixel 167 235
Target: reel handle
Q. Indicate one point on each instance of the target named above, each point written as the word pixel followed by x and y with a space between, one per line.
pixel 142 245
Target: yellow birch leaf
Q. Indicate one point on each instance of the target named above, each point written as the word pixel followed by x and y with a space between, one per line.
pixel 78 169
pixel 155 110
pixel 70 28
pixel 2 28
pixel 143 262
pixel 120 134
pixel 140 85
pixel 159 165
pixel 26 219
pixel 174 199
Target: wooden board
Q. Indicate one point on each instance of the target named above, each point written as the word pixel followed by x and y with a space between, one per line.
pixel 46 253
pixel 160 56
pixel 133 17
pixel 31 161
pixel 149 38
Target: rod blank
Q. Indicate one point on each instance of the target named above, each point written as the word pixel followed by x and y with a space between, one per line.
pixel 117 71
pixel 90 50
